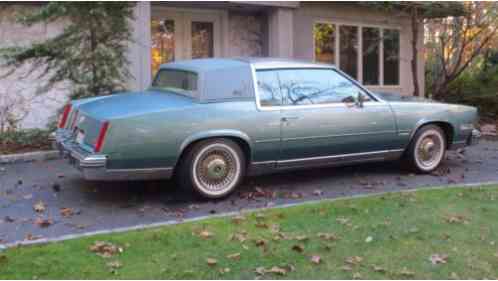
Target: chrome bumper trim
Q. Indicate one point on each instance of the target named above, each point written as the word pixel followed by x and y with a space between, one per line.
pixel 94 166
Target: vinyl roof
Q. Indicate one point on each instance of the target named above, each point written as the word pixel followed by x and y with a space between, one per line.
pixel 213 64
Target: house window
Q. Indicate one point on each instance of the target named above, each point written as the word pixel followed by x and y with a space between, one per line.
pixel 202 40
pixel 348 43
pixel 379 51
pixel 391 57
pixel 324 34
pixel 370 53
pixel 163 43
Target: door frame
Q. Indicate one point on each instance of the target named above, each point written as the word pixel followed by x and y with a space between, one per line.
pixel 183 18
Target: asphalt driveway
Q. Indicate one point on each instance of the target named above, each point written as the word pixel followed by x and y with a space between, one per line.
pixel 48 199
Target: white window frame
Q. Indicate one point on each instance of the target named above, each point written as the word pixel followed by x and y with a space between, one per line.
pixel 359 73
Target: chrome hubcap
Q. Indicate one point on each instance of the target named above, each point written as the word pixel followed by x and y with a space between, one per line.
pixel 216 170
pixel 430 150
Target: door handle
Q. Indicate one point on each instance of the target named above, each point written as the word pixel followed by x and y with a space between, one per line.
pixel 288 118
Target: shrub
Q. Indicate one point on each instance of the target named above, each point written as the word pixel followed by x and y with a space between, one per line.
pixel 24 140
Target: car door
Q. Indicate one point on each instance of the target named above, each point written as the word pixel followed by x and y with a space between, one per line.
pixel 327 116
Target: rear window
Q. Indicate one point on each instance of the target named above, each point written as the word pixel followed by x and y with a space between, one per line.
pixel 178 81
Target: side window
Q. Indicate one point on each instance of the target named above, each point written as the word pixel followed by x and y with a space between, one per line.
pixel 268 88
pixel 317 86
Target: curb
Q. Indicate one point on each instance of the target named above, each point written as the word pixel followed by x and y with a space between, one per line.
pixel 29 157
pixel 228 214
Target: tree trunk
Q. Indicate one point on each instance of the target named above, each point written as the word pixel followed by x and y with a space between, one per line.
pixel 416 91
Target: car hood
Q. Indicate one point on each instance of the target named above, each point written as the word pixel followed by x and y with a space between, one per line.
pixel 131 104
pixel 394 97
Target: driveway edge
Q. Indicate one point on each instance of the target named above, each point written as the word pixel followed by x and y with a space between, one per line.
pixel 229 214
pixel 29 157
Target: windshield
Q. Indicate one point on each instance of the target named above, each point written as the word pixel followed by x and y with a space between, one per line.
pixel 178 81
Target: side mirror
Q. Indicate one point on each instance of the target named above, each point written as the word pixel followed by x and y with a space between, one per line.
pixel 359 100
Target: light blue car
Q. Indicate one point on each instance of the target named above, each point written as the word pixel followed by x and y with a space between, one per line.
pixel 209 122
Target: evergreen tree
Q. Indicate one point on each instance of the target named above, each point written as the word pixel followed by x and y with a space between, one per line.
pixel 90 52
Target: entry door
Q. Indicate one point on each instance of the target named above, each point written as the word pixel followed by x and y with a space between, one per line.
pixel 183 34
pixel 321 119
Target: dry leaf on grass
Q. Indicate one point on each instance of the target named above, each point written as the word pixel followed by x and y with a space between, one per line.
pixel 238 219
pixel 438 259
pixel 354 260
pixel 298 248
pixel 316 259
pixel 105 249
pixel 235 256
pixel 205 234
pixel 211 261
pixel 328 236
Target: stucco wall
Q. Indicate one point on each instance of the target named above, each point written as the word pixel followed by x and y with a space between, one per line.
pixel 247 34
pixel 25 92
pixel 307 14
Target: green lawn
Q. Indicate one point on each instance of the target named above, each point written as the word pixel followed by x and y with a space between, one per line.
pixel 379 237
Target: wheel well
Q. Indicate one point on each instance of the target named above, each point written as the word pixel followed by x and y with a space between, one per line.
pixel 246 149
pixel 447 129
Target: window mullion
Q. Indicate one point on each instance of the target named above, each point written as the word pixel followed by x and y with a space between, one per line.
pixel 381 58
pixel 337 47
pixel 359 70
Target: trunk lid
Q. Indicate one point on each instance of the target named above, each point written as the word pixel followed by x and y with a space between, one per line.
pixel 89 116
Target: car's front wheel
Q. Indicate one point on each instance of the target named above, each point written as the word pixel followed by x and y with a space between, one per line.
pixel 427 149
pixel 212 168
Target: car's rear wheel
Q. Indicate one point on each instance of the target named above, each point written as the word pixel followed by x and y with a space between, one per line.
pixel 427 149
pixel 212 168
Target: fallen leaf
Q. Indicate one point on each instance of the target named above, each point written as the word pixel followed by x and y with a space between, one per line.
pixel 238 219
pixel 439 259
pixel 235 256
pixel 240 236
pixel 316 259
pixel 32 237
pixel 328 236
pixel 277 270
pixel 105 249
pixel 211 261
pixel 407 273
pixel 302 238
pixel 342 220
pixel 378 269
pixel 205 234
pixel 298 248
pixel 41 222
pixel 224 270
pixel 114 264
pixel 354 260
pixel 260 270
pixel 456 219
pixel 39 207
pixel 261 242
pixel 261 225
pixel 66 212
pixel 8 219
pixel 356 275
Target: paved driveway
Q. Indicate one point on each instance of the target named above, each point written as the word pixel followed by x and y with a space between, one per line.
pixel 98 206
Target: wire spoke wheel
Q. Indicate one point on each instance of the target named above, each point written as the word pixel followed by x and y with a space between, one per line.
pixel 216 169
pixel 429 149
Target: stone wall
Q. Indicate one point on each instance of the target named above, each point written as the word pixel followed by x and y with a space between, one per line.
pixel 22 91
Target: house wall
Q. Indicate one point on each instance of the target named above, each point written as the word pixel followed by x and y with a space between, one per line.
pixel 30 102
pixel 307 14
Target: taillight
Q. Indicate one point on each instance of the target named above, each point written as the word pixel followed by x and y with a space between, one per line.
pixel 65 114
pixel 101 137
pixel 73 123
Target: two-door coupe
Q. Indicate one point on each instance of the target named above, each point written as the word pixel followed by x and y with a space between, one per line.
pixel 209 122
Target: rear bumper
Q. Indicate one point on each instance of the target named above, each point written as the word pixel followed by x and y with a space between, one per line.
pixel 93 167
